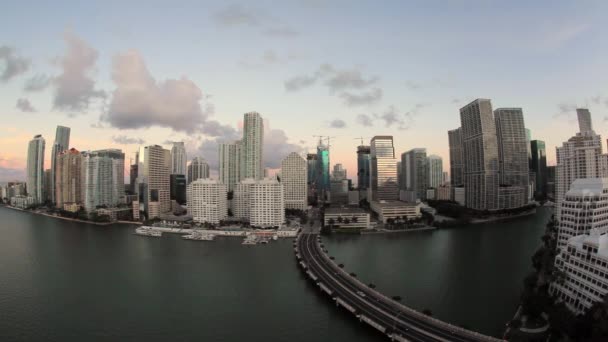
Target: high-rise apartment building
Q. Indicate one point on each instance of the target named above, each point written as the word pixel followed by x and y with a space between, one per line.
pixel 456 157
pixel 339 172
pixel 414 174
pixel 68 178
pixel 434 171
pixel 513 160
pixel 267 204
pixel 230 163
pixel 197 169
pixel 252 147
pixel 103 182
pixel 293 177
pixel 48 183
pixel 35 169
pixel 481 166
pixel 538 165
pixel 383 175
pixel 207 200
pixel 61 143
pixel 179 159
pixel 241 201
pixel 579 157
pixel 157 195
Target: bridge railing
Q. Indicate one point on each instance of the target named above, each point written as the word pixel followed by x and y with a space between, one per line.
pixel 402 307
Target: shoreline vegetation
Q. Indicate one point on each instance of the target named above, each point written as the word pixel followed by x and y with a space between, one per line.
pixel 70 218
pixel 538 308
pixel 456 215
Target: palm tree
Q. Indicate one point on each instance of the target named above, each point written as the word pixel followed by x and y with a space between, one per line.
pixel 371 286
pixel 340 219
pixel 355 219
pixel 346 220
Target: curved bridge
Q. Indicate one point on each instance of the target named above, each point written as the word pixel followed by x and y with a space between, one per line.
pixel 392 318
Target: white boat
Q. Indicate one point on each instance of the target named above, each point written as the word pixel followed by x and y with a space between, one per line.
pixel 250 240
pixel 148 232
pixel 199 236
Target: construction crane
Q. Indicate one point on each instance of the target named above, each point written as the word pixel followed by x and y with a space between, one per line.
pixel 324 137
pixel 361 139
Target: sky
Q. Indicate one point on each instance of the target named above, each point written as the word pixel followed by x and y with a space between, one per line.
pixel 127 73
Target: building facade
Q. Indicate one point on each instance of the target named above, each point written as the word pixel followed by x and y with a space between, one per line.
pixel 538 165
pixel 267 204
pixel 241 201
pixel 229 164
pixel 177 185
pixel 61 143
pixel 157 193
pixel 197 169
pixel 383 172
pixel 363 166
pixel 68 178
pixel 103 182
pixel 481 166
pixel 252 146
pixel 179 158
pixel 35 169
pixel 323 176
pixel 434 171
pixel 293 177
pixel 207 200
pixel 414 172
pixel 456 157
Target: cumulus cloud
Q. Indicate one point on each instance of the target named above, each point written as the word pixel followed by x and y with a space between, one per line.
pixel 75 87
pixel 277 147
pixel 11 64
pixel 239 15
pixel 365 120
pixel 213 128
pixel 25 106
pixel 362 99
pixel 125 140
pixel 299 82
pixel 340 82
pixel 139 101
pixel 37 83
pixel 269 57
pixel 565 109
pixel 337 123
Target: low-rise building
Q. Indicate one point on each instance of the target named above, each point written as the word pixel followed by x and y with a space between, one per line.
pixel 444 193
pixel 22 202
pixel 459 195
pixel 585 264
pixel 116 213
pixel 71 207
pixel 353 197
pixel 346 218
pixel 395 209
pixel 431 194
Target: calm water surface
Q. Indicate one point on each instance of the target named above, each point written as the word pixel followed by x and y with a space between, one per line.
pixel 66 281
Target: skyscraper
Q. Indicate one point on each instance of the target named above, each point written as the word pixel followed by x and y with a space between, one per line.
pixel 35 169
pixel 229 163
pixel 579 157
pixel 363 160
pixel 103 181
pixel 414 172
pixel 434 171
pixel 177 185
pixel 157 197
pixel 538 165
pixel 293 178
pixel 512 153
pixel 252 147
pixel 584 120
pixel 267 204
pixel 68 177
pixel 383 169
pixel 62 143
pixel 197 169
pixel 322 168
pixel 178 158
pixel 481 178
pixel 456 157
pixel 339 172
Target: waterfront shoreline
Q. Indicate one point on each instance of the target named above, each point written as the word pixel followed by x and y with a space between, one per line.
pixel 71 219
pixel 503 218
pixel 388 231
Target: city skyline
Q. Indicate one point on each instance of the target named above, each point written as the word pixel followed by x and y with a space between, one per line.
pixel 304 92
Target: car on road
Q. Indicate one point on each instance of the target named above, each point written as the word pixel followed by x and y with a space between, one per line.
pixel 361 294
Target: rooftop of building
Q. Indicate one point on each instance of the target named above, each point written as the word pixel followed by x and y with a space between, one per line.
pixel 345 210
pixel 588 187
pixel 393 204
pixel 595 239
